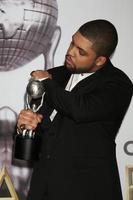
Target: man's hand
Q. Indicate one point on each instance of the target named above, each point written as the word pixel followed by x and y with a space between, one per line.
pixel 29 119
pixel 40 74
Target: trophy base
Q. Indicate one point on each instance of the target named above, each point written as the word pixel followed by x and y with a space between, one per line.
pixel 26 148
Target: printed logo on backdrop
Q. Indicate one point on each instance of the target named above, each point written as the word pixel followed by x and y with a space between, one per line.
pixel 28 28
pixel 128 149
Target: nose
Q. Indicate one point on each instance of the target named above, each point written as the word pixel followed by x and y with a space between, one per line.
pixel 71 50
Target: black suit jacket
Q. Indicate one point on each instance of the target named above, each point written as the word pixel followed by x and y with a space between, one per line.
pixel 78 159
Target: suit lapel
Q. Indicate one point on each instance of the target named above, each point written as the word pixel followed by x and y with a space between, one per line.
pixel 88 83
pixel 92 81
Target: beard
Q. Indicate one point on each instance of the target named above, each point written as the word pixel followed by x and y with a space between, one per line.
pixel 74 69
pixel 77 70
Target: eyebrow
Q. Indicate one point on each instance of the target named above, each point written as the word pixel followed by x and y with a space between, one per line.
pixel 78 46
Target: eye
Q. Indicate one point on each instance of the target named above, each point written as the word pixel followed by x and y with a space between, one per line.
pixel 82 52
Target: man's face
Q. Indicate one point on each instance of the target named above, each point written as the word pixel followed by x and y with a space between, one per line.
pixel 80 56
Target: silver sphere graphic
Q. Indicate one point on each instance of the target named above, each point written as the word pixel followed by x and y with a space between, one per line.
pixel 35 88
pixel 26 29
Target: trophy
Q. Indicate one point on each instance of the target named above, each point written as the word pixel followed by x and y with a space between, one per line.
pixel 27 144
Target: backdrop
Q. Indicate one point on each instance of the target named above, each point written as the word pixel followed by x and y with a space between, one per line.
pixel 13 82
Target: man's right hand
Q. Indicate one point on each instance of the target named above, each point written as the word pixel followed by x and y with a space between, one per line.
pixel 29 119
pixel 40 74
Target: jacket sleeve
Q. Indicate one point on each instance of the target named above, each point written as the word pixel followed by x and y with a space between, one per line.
pixel 108 101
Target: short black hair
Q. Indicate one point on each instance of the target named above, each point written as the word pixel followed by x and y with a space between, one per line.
pixel 102 34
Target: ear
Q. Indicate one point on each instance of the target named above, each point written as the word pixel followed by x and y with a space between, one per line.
pixel 101 60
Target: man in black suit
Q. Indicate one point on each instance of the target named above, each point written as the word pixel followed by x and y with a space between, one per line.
pixel 85 103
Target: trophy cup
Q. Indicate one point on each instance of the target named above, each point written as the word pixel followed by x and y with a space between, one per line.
pixel 27 144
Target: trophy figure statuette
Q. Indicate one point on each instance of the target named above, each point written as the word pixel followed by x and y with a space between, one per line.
pixel 26 146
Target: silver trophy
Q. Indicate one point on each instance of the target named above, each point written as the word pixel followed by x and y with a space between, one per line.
pixel 27 144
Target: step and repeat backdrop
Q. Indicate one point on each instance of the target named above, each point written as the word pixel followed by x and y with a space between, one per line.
pixel 35 35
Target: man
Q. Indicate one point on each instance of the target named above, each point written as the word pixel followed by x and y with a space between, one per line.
pixel 79 120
